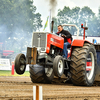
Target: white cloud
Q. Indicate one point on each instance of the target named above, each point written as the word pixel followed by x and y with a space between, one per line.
pixel 62 3
pixel 93 4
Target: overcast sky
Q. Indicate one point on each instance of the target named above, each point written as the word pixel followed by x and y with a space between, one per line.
pixel 43 6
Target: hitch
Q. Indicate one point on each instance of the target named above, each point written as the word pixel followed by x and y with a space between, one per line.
pixel 31 55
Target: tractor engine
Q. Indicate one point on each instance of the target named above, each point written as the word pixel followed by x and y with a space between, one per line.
pixel 46 47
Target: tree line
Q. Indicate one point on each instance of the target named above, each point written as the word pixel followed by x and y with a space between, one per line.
pixel 78 16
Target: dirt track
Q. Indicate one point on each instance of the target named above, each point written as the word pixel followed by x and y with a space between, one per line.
pixel 21 88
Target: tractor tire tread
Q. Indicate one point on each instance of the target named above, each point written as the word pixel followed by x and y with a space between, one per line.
pixel 78 61
pixel 36 74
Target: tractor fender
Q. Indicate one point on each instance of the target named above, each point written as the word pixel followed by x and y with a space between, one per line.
pixel 79 43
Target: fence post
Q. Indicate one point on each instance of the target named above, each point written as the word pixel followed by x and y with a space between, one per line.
pixel 37 93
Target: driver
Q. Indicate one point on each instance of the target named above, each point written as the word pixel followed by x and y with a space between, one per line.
pixel 67 39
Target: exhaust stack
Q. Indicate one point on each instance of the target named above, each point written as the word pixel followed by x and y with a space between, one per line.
pixel 52 23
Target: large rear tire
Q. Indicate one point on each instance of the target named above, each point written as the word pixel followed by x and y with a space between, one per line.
pixel 39 74
pixel 83 65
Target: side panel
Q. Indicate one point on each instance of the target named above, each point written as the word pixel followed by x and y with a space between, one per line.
pixel 98 58
pixel 79 43
pixel 97 77
pixel 97 47
pixel 54 40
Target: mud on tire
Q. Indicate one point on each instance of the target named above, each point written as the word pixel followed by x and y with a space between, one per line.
pixel 80 75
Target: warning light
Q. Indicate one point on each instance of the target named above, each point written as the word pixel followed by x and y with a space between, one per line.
pixel 81 25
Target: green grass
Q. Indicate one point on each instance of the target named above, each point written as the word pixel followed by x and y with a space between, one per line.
pixel 8 73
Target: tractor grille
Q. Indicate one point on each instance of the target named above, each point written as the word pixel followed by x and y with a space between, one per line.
pixel 39 40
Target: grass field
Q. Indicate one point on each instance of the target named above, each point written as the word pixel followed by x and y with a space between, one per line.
pixel 8 73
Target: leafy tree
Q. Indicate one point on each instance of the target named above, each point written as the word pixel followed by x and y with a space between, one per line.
pixel 17 22
pixel 86 15
pixel 94 27
pixel 64 15
pixel 78 16
pixel 68 16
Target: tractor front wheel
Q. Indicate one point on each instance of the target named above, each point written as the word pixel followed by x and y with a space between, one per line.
pixel 20 63
pixel 83 65
pixel 58 66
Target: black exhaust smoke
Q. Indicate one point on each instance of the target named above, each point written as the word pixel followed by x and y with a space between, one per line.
pixel 52 7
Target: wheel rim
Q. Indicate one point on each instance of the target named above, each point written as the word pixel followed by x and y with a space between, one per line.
pixel 60 67
pixel 90 66
pixel 22 67
pixel 48 71
pixel 22 64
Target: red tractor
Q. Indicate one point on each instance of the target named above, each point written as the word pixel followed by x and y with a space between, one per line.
pixel 46 61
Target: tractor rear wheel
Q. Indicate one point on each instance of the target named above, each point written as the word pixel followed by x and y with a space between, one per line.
pixel 83 65
pixel 39 74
